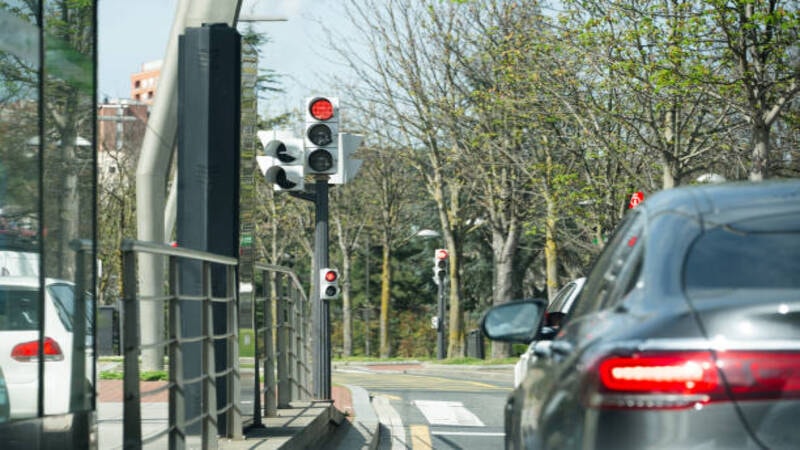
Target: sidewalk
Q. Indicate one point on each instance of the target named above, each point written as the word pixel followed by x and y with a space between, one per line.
pixel 346 422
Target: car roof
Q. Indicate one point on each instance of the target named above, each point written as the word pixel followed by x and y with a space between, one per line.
pixel 726 202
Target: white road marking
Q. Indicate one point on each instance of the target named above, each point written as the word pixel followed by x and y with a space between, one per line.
pixel 448 413
pixel 465 433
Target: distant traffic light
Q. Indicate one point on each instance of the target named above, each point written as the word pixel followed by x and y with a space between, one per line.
pixel 328 283
pixel 321 136
pixel 439 264
pixel 282 161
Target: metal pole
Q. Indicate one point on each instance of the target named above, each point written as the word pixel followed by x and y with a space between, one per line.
pixel 440 353
pixel 322 347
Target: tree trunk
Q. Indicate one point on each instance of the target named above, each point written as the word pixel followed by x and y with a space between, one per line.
pixel 760 158
pixel 504 248
pixel 455 324
pixel 386 283
pixel 551 247
pixel 347 316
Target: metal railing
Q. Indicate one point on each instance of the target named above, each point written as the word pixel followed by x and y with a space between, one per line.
pixel 281 343
pixel 175 343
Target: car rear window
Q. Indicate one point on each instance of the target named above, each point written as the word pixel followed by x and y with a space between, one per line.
pixel 19 309
pixel 762 253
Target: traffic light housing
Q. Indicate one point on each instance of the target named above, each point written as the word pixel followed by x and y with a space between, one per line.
pixel 282 161
pixel 328 283
pixel 439 264
pixel 347 166
pixel 321 136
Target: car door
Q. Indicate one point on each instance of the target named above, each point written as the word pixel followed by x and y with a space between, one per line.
pixel 552 412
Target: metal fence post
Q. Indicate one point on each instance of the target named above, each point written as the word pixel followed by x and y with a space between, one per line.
pixel 293 345
pixel 209 384
pixel 131 413
pixel 270 400
pixel 282 350
pixel 297 307
pixel 177 414
pixel 308 385
pixel 234 414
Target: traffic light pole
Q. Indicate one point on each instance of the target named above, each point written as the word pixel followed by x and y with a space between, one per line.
pixel 320 315
pixel 440 353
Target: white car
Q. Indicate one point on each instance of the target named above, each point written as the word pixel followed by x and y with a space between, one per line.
pixel 19 344
pixel 559 307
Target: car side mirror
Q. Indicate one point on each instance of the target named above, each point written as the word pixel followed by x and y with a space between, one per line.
pixel 517 321
pixel 547 333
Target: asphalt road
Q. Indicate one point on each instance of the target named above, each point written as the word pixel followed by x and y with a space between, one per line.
pixel 439 407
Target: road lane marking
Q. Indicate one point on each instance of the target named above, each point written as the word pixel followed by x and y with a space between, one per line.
pixel 448 413
pixel 465 433
pixel 420 437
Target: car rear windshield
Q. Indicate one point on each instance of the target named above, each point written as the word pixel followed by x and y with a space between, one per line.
pixel 19 309
pixel 761 253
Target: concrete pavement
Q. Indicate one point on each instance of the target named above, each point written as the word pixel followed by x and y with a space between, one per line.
pixel 347 422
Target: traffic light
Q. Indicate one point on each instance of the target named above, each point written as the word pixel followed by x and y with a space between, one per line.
pixel 282 162
pixel 328 283
pixel 348 167
pixel 321 136
pixel 439 264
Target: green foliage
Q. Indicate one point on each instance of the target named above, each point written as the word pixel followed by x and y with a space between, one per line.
pixel 156 375
pixel 247 342
pixel 110 375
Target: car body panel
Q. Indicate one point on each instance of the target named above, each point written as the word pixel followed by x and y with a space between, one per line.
pixel 22 376
pixel 561 304
pixel 636 303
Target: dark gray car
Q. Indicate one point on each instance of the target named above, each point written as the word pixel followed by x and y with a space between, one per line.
pixel 685 336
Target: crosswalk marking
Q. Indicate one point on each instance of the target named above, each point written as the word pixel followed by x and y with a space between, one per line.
pixel 448 413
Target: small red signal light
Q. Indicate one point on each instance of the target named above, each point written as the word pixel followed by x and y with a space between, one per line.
pixel 330 276
pixel 321 109
pixel 441 254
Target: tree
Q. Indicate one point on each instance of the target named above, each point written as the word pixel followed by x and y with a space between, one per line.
pixel 759 72
pixel 66 96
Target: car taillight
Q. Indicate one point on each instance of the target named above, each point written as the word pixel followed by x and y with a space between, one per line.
pixel 754 375
pixel 670 380
pixel 29 351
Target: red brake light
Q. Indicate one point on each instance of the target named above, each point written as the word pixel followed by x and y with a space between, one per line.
pixel 761 375
pixel 682 373
pixel 669 380
pixel 29 351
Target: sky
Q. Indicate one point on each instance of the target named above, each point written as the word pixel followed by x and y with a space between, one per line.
pixel 131 33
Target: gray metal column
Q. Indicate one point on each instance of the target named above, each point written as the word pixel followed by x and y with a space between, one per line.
pixel 208 187
pixel 152 172
pixel 321 309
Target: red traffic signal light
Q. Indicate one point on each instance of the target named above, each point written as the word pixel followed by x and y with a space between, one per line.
pixel 328 283
pixel 321 108
pixel 331 276
pixel 441 254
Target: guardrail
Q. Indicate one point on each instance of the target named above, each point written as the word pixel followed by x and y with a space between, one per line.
pixel 281 341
